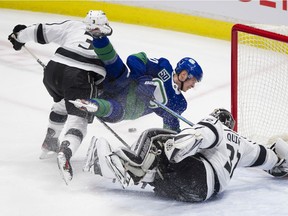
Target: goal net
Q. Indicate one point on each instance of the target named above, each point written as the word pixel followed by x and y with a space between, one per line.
pixel 259 81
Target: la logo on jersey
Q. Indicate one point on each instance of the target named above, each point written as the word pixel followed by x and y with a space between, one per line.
pixel 164 75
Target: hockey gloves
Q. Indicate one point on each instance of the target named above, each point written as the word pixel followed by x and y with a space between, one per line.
pixel 89 105
pixel 145 87
pixel 13 37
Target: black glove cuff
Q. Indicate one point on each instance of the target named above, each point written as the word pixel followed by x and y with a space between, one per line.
pixel 18 28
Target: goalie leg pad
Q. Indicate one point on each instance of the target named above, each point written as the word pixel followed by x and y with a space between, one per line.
pixel 115 164
pixel 138 167
pixel 104 149
pixel 281 148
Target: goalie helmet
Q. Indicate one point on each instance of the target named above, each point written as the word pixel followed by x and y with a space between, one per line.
pixel 94 18
pixel 224 116
pixel 191 66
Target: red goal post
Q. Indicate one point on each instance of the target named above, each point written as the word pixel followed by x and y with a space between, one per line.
pixel 259 81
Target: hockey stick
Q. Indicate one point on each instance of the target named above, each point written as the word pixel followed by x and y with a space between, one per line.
pixel 112 131
pixel 93 108
pixel 172 112
pixel 35 57
pixel 109 128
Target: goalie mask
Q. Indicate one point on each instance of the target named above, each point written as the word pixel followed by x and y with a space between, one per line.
pixel 224 116
pixel 95 18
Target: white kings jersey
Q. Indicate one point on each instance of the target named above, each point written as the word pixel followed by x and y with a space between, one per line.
pixel 76 49
pixel 225 150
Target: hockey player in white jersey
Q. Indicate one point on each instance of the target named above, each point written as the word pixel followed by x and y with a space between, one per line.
pixel 73 72
pixel 193 165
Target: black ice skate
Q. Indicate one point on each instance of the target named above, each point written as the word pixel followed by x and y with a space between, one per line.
pixel 50 146
pixel 63 160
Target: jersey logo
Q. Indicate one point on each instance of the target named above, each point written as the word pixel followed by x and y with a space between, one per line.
pixel 159 93
pixel 164 75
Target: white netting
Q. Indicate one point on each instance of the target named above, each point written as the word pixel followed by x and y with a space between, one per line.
pixel 262 85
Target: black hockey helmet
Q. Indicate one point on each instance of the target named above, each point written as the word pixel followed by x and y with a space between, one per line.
pixel 224 116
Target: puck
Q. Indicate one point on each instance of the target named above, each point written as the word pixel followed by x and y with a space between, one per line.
pixel 131 130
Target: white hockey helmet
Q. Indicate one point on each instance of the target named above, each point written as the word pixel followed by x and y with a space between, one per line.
pixel 94 18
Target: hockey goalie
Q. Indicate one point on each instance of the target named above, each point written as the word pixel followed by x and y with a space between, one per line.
pixel 193 165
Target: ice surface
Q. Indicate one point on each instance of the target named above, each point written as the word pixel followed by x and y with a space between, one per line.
pixel 33 187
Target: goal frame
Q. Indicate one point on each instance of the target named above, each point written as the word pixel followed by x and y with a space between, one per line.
pixel 234 56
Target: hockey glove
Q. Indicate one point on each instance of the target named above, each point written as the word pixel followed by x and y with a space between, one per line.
pixel 101 31
pixel 13 37
pixel 145 87
pixel 89 105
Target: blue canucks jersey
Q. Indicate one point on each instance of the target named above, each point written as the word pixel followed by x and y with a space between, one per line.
pixel 166 91
pixel 120 86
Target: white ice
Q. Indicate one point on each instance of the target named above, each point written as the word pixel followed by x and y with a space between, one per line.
pixel 33 187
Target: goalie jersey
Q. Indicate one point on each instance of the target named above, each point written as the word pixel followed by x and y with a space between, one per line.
pixel 222 150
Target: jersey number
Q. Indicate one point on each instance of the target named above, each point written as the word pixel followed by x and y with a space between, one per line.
pixel 229 164
pixel 88 45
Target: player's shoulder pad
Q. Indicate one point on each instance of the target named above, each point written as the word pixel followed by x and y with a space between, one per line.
pixel 164 63
pixel 137 64
pixel 215 126
pixel 138 56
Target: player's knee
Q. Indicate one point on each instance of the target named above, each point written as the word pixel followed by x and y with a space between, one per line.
pixel 76 126
pixel 59 118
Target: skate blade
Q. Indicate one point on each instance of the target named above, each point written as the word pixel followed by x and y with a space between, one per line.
pixel 66 176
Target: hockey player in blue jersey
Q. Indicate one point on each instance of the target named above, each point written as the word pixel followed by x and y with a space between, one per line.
pixel 128 91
